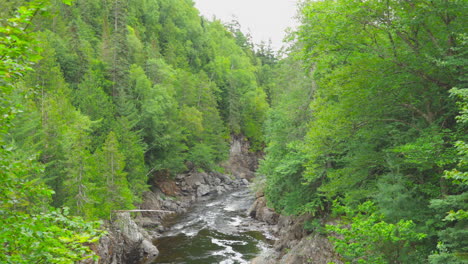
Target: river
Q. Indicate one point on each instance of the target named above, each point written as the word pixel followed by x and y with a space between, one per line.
pixel 215 230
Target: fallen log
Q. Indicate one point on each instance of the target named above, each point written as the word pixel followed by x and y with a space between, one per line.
pixel 139 210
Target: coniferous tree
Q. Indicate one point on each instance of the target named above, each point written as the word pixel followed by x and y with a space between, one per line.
pixel 113 192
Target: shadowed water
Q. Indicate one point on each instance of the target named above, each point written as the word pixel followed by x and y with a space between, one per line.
pixel 216 230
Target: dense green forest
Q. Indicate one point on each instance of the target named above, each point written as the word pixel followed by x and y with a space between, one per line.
pixel 376 132
pixel 363 119
pixel 100 96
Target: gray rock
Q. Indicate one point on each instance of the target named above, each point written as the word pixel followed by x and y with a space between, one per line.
pixel 252 212
pixel 180 177
pixel 125 242
pixel 245 182
pixel 217 181
pixel 208 178
pixel 195 179
pixel 150 252
pixel 203 190
pixel 269 216
pixel 225 178
pixel 147 222
pixel 170 205
pixel 128 228
pixel 220 189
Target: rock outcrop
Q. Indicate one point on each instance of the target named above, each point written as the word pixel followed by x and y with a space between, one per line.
pixel 260 211
pixel 125 242
pixel 294 245
pixel 130 240
pixel 242 161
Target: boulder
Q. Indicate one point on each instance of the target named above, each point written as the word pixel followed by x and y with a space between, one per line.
pixel 220 189
pixel 260 211
pixel 203 190
pixel 195 179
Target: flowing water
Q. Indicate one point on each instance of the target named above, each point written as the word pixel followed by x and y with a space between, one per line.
pixel 216 230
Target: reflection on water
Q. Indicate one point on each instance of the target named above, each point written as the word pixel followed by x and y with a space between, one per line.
pixel 215 231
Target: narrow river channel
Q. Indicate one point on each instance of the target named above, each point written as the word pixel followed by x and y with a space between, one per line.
pixel 216 230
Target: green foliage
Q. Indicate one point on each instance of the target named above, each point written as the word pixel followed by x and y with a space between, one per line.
pixel 31 232
pixel 452 209
pixel 362 236
pixel 119 90
pixel 139 71
pixel 111 191
pixel 285 129
pixel 376 124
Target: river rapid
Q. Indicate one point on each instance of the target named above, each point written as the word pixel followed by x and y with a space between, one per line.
pixel 215 230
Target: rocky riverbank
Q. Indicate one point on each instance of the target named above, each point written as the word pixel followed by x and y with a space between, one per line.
pixel 129 240
pixel 295 244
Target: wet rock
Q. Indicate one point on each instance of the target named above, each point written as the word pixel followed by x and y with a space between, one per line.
pixel 208 178
pixel 261 212
pixel 149 251
pixel 151 201
pixel 168 187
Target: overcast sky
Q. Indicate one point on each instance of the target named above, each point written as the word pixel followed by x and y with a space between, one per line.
pixel 264 19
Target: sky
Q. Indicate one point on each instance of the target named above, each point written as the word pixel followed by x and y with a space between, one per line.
pixel 263 19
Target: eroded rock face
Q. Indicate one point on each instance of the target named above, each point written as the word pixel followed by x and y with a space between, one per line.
pixel 295 245
pixel 260 211
pixel 126 243
pixel 242 162
pixel 311 249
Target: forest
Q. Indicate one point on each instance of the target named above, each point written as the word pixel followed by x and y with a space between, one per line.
pixel 362 118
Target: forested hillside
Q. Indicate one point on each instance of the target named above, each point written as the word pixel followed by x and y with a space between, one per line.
pixel 375 135
pixel 129 89
pixel 101 96
pixel 363 121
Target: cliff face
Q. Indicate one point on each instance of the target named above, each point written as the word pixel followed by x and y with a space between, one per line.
pixel 295 245
pixel 242 162
pixel 125 242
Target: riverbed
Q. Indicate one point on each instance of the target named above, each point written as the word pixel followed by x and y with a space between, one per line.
pixel 215 230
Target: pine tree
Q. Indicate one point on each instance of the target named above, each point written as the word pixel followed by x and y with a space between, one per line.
pixel 113 192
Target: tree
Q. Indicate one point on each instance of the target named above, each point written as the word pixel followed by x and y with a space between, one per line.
pixel 452 209
pixel 112 191
pixel 364 237
pixel 31 230
pixel 79 167
pixel 285 130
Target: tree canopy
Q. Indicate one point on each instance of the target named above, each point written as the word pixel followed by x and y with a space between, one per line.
pixel 363 119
